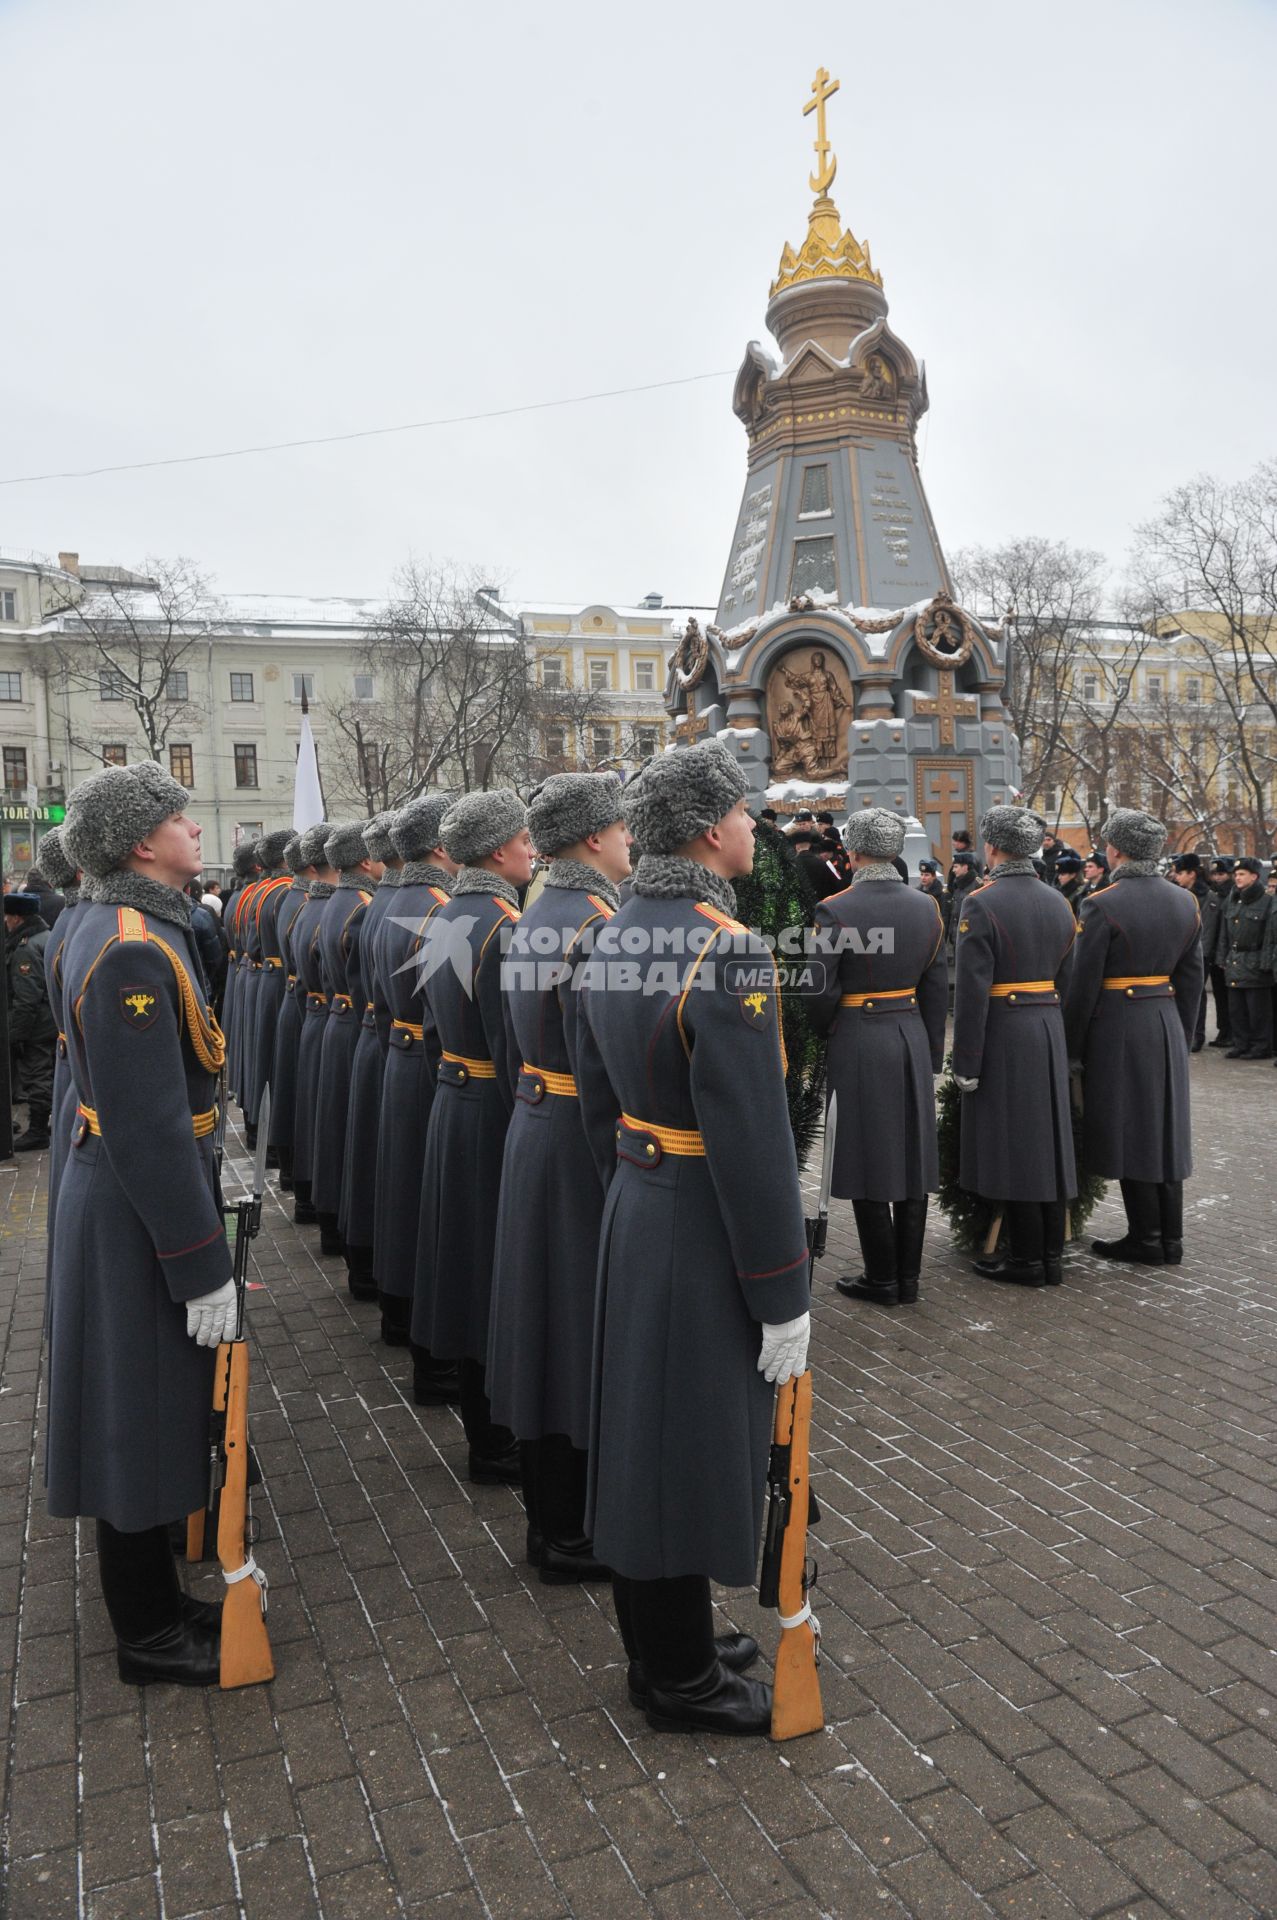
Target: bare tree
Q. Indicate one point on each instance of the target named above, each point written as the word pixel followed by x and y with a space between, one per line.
pixel 127 640
pixel 1100 755
pixel 1050 595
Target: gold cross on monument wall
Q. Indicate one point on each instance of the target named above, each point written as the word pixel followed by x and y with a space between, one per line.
pixel 822 89
pixel 948 707
pixel 693 725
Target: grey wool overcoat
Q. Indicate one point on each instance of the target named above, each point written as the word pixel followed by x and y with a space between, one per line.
pixel 288 1029
pixel 1014 942
pixel 408 1090
pixel 268 992
pixel 367 1071
pixel 547 1249
pixel 697 1249
pixel 139 1229
pixel 474 1097
pixel 886 996
pixel 313 996
pixel 1129 1013
pixel 340 929
pixel 62 1109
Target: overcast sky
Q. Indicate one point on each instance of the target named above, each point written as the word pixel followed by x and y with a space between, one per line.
pixel 244 223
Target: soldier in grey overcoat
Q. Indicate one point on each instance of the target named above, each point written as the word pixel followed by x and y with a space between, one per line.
pixel 886 998
pixel 408 1089
pixel 355 1218
pixel 268 970
pixel 1243 944
pixel 313 997
pixel 247 873
pixel 486 834
pixel 703 1253
pixel 1014 947
pixel 340 928
pixel 1130 1014
pixel 541 1333
pixel 140 1290
pixel 288 1027
pixel 65 875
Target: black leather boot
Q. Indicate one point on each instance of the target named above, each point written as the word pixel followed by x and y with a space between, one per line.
pixel 1170 1202
pixel 396 1319
pixel 160 1633
pixel 717 1701
pixel 36 1137
pixel 359 1274
pixel 558 1508
pixel 304 1214
pixel 909 1220
pixel 496 1463
pixel 330 1240
pixel 878 1282
pixel 435 1383
pixel 1141 1244
pixel 494 1451
pixel 1054 1223
pixel 736 1652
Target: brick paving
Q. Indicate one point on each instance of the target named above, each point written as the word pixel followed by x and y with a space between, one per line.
pixel 1046 1586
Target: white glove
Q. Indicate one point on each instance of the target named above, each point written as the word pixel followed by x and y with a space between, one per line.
pixel 785 1348
pixel 965 1086
pixel 210 1318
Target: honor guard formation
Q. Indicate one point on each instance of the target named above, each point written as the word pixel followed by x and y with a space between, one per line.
pixel 552 1142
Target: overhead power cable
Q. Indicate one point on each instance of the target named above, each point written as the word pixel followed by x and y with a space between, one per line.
pixel 363 433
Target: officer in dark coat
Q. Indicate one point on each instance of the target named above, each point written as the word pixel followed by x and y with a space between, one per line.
pixel 65 875
pixel 140 1291
pixel 247 873
pixel 288 1025
pixel 1014 945
pixel 408 1088
pixel 1131 1011
pixel 1186 872
pixel 1220 885
pixel 340 928
pixel 313 998
pixel 930 883
pixel 33 1031
pixel 886 998
pixel 703 1256
pixel 355 1217
pixel 486 834
pixel 1245 930
pixel 1068 878
pixel 45 887
pixel 268 972
pixel 553 1176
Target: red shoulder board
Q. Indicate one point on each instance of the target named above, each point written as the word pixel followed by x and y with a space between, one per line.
pixel 722 920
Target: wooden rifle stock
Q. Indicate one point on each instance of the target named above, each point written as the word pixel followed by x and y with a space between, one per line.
pixel 796 1703
pixel 246 1654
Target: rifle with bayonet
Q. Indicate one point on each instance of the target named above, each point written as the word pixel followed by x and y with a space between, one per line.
pixel 223 1522
pixel 787 1575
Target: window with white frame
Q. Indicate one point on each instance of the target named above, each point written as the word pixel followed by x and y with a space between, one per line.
pixel 552 672
pixel 556 743
pixel 178 684
pixel 8 603
pixel 303 687
pixel 647 741
pixel 1154 684
pixel 1193 691
pixel 242 686
pixel 115 753
pixel 364 686
pixel 10 686
pixel 600 742
pixel 1090 686
pixel 600 676
pixel 645 676
pixel 110 683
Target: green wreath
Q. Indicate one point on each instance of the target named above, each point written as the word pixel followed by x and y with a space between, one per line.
pixel 777 896
pixel 967 1213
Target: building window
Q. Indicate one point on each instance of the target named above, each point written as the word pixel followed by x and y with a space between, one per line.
pixel 364 686
pixel 600 676
pixel 556 743
pixel 1123 686
pixel 1193 692
pixel 8 603
pixel 178 684
pixel 247 832
pixel 241 686
pixel 1090 687
pixel 110 683
pixel 552 672
pixel 646 741
pixel 10 686
pixel 814 569
pixel 246 766
pixel 645 676
pixel 15 769
pixel 815 498
pixel 600 743
pixel 181 764
pixel 115 754
pixel 1154 686
pixel 303 687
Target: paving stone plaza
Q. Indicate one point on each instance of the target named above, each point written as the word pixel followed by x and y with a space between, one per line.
pixel 1046 1590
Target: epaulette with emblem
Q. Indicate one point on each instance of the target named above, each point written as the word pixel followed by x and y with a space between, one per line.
pixel 602 905
pixel 131 924
pixel 720 919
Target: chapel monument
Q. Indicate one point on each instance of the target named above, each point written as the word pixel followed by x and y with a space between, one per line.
pixel 838 664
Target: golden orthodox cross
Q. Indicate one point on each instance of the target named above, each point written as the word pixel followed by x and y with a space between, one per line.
pixel 947 707
pixel 694 725
pixel 822 89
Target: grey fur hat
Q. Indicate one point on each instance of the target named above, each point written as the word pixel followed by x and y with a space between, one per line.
pixel 58 868
pixel 1014 830
pixel 270 849
pixel 244 860
pixel 377 837
pixel 293 853
pixel 345 846
pixel 568 806
pixel 312 852
pixel 1138 835
pixel 478 823
pixel 875 831
pixel 415 829
pixel 111 811
pixel 681 794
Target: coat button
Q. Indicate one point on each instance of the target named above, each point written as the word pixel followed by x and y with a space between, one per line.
pixel 1130 993
pixel 1013 997
pixel 649 1150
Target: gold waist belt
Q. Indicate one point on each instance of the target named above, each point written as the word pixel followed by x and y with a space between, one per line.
pixel 272 960
pixel 1009 989
pixel 316 999
pixel 203 1123
pixel 477 1069
pixel 683 1142
pixel 869 999
pixel 553 1082
pixel 1123 982
pixel 406 1026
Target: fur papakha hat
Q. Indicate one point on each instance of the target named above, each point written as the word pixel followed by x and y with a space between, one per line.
pixel 478 823
pixel 415 829
pixel 55 863
pixel 1014 830
pixel 244 860
pixel 312 845
pixel 1138 835
pixel 681 794
pixel 875 831
pixel 293 853
pixel 377 837
pixel 345 845
pixel 111 811
pixel 270 849
pixel 568 806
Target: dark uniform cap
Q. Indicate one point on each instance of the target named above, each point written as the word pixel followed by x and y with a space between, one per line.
pixel 111 811
pixel 1187 863
pixel 1249 863
pixel 345 846
pixel 271 846
pixel 415 829
pixel 478 823
pixel 377 837
pixel 24 903
pixel 54 861
pixel 1224 863
pixel 1014 830
pixel 312 845
pixel 928 866
pixel 568 806
pixel 678 796
pixel 1069 863
pixel 1138 835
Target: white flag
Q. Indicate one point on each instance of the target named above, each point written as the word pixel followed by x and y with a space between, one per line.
pixel 308 801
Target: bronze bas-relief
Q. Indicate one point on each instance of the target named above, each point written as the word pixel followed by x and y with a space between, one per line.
pixel 809 709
